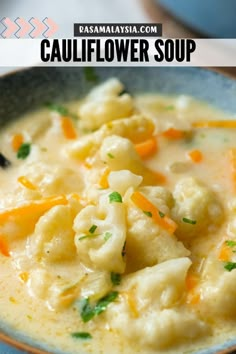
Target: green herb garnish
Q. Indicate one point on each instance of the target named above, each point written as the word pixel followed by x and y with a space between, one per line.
pixel 107 235
pixel 189 221
pixel 90 74
pixel 230 266
pixel 87 236
pixel 170 107
pixel 161 214
pixel 92 229
pixel 115 197
pixel 110 155
pixel 63 111
pixel 105 301
pixel 148 213
pixel 87 311
pixel 230 243
pixel 81 335
pixel 24 151
pixel 115 278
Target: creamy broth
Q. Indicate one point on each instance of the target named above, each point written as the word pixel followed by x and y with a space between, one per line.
pixel 117 218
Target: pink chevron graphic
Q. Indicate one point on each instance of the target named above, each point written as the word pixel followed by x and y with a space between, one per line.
pixel 39 27
pixel 24 27
pixel 11 27
pixel 52 27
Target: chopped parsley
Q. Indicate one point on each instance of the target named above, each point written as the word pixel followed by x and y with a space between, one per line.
pixel 90 74
pixel 63 111
pixel 107 235
pixel 87 311
pixel 230 266
pixel 230 243
pixel 110 155
pixel 115 197
pixel 105 301
pixel 115 278
pixel 148 213
pixel 81 335
pixel 189 221
pixel 170 107
pixel 4 162
pixel 161 214
pixel 24 151
pixel 92 229
pixel 87 236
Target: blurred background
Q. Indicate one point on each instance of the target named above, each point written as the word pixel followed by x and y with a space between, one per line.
pixel 180 18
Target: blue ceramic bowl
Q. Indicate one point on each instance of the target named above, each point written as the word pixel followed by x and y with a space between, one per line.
pixel 213 18
pixel 28 90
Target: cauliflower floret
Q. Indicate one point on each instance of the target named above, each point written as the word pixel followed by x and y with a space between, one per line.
pixel 136 128
pixel 120 181
pixel 104 104
pixel 218 296
pixel 53 239
pixel 52 178
pixel 147 243
pixel 101 249
pixel 198 203
pixel 155 291
pixel 125 157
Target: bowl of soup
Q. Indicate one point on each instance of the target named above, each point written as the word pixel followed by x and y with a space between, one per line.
pixel 117 211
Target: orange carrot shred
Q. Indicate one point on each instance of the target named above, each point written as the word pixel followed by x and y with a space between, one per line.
pixel 4 247
pixel 67 128
pixel 17 141
pixel 35 206
pixel 143 203
pixel 195 155
pixel 215 124
pixel 147 148
pixel 26 183
pixel 104 178
pixel 191 281
pixel 225 253
pixel 173 133
pixel 232 159
pixel 193 299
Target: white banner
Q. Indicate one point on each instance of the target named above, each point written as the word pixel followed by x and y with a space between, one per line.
pixel 117 52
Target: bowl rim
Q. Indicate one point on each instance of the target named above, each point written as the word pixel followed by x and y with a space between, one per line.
pixel 21 344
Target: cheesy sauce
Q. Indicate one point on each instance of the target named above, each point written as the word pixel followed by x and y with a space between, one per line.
pixel 117 224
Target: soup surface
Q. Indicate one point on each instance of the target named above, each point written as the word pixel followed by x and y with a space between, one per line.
pixel 117 224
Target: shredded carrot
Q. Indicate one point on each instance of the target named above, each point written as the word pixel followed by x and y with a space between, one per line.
pixel 17 141
pixel 4 247
pixel 225 253
pixel 232 159
pixel 191 281
pixel 104 178
pixel 24 276
pixel 131 302
pixel 158 176
pixel 147 148
pixel 67 128
pixel 75 196
pixel 143 203
pixel 173 133
pixel 215 124
pixel 36 206
pixel 195 156
pixel 193 299
pixel 26 183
